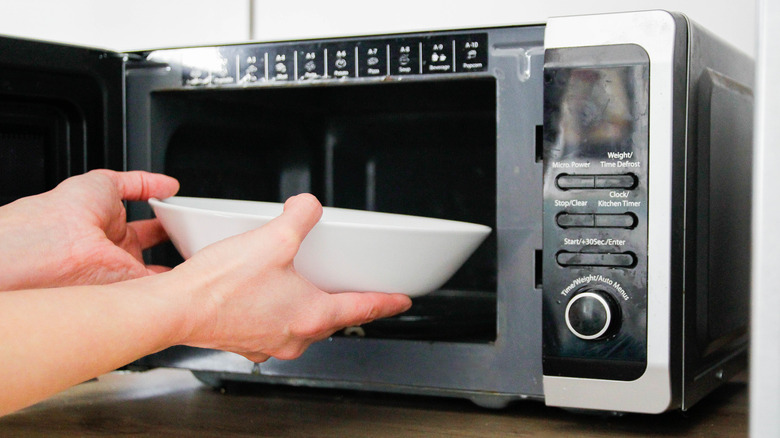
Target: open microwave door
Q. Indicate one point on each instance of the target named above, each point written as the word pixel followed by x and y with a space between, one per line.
pixel 61 114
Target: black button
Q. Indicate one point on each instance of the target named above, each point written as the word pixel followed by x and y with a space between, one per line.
pixel 625 260
pixel 439 55
pixel 252 66
pixel 341 61
pixel 311 62
pixel 615 220
pixel 567 220
pixel 589 315
pixel 405 57
pixel 566 182
pixel 627 181
pixel 281 64
pixel 472 52
pixel 372 56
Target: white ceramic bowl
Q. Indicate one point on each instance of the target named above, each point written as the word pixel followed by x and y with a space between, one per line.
pixel 348 250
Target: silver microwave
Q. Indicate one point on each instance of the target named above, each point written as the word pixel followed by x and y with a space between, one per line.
pixel 611 155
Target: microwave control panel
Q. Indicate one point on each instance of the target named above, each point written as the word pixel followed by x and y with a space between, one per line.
pixel 595 212
pixel 339 59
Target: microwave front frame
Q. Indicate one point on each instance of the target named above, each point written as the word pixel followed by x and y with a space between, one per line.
pixel 488 373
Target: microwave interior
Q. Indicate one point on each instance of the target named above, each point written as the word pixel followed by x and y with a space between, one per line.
pixel 425 148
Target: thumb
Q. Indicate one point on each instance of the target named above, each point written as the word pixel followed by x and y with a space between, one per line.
pixel 356 308
pixel 301 213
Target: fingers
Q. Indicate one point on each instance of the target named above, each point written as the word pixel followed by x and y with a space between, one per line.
pixel 149 232
pixel 256 357
pixel 301 214
pixel 156 269
pixel 140 185
pixel 362 307
pixel 331 314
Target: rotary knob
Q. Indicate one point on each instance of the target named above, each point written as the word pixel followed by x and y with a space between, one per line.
pixel 592 315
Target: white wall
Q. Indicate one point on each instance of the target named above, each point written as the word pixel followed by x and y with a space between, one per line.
pixel 765 330
pixel 140 24
pixel 127 25
pixel 732 20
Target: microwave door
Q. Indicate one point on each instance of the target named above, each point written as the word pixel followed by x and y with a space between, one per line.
pixel 61 114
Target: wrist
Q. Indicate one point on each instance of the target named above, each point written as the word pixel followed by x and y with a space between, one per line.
pixel 23 266
pixel 169 302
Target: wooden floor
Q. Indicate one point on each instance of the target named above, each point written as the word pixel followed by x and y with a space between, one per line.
pixel 166 402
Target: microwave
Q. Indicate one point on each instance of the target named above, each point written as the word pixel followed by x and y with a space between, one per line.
pixel 610 154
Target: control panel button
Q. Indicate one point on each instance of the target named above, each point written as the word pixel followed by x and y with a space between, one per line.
pixel 609 259
pixel 405 57
pixel 472 53
pixel 372 58
pixel 626 220
pixel 251 67
pixel 590 315
pixel 567 182
pixel 209 66
pixel 282 65
pixel 627 181
pixel 341 61
pixel 569 220
pixel 438 55
pixel 310 63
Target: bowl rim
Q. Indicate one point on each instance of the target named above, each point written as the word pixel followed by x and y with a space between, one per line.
pixel 453 226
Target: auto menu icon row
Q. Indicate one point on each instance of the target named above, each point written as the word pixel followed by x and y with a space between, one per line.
pixel 245 64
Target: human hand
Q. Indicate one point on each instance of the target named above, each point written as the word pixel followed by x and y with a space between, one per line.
pixel 77 233
pixel 244 295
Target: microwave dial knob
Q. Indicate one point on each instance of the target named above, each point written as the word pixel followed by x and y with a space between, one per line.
pixel 592 314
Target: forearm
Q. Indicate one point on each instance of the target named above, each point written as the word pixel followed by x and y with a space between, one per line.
pixel 24 265
pixel 51 339
pixel 241 294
